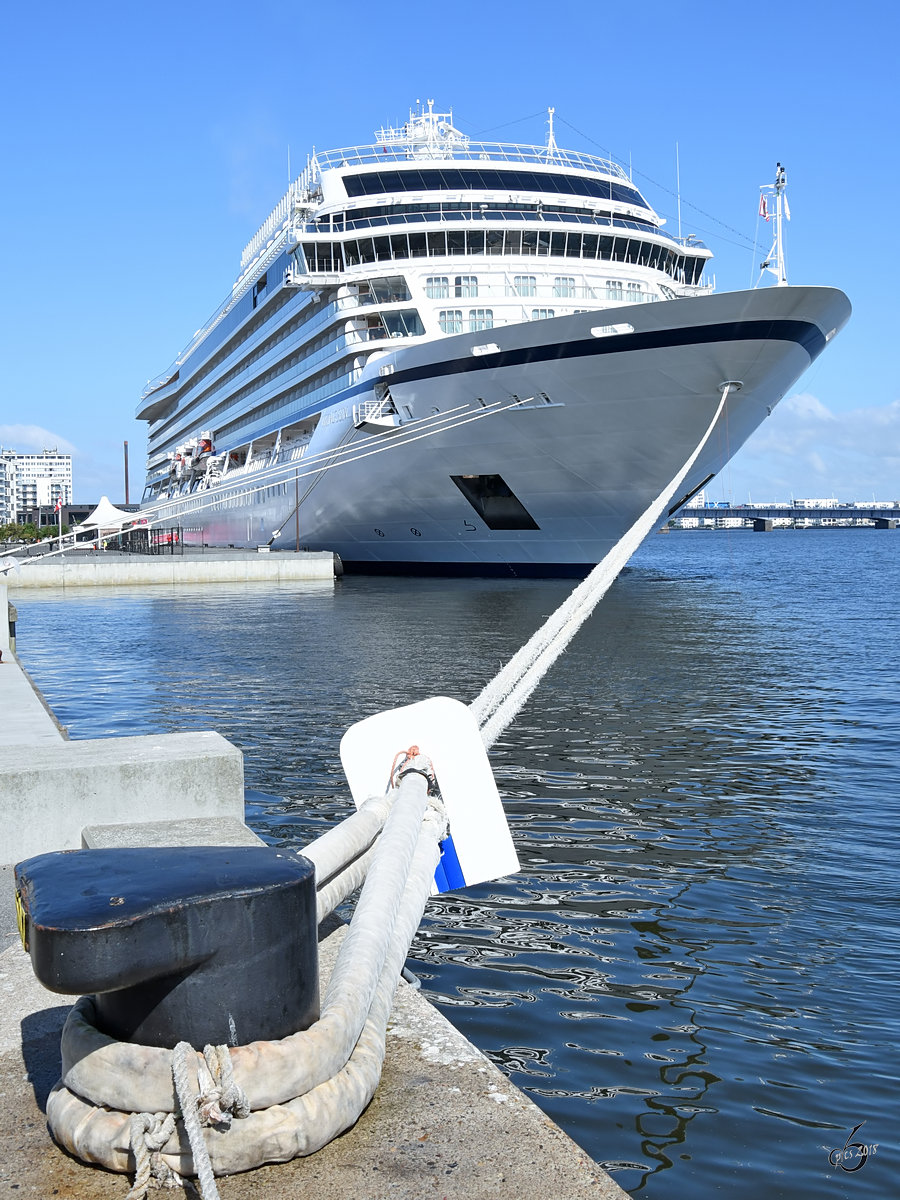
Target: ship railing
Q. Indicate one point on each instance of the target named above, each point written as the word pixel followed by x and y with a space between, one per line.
pixel 298 196
pixel 633 291
pixel 406 151
pixel 166 376
pixel 374 411
pixel 327 229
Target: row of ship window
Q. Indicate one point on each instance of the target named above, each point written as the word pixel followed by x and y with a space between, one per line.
pixel 504 179
pixel 335 257
pixel 342 221
pixel 438 287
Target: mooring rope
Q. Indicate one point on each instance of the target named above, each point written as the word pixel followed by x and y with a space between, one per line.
pixel 190 1116
pixel 503 697
pixel 401 839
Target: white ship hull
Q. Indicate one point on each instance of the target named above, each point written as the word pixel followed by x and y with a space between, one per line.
pixel 585 429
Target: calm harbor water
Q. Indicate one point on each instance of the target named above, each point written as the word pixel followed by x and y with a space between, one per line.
pixel 696 971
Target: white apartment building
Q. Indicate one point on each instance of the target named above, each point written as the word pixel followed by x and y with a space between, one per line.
pixel 30 480
pixel 7 487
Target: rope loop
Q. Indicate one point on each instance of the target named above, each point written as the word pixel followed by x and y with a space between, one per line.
pixel 148 1133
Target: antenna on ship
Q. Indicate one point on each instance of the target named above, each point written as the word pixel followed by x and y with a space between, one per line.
pixel 774 262
pixel 551 140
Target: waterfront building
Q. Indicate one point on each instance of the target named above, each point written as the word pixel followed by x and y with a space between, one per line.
pixel 30 481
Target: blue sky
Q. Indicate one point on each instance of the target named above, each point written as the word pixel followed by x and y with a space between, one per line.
pixel 143 145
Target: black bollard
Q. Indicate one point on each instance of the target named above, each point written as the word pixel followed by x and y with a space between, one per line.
pixel 200 944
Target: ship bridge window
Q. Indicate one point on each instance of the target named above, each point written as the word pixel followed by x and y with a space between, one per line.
pixel 465 286
pixel 525 285
pixel 324 256
pixel 564 285
pixel 614 289
pixel 328 257
pixel 495 502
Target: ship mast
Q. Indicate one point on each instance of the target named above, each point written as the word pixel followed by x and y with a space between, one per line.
pixel 774 192
pixel 551 140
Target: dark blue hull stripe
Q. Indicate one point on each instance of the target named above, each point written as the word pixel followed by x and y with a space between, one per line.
pixel 804 333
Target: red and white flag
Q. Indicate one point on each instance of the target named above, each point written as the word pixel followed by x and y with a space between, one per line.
pixel 763 210
pixel 58 504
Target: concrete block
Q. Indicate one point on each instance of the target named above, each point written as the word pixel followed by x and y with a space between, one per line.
pixel 48 794
pixel 194 831
pixel 113 571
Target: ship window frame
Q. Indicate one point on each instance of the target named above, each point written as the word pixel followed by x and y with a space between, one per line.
pixel 437 287
pixel 480 318
pixel 512 243
pixel 450 320
pixel 402 323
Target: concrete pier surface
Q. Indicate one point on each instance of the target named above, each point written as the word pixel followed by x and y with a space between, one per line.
pixel 112 568
pixel 444 1122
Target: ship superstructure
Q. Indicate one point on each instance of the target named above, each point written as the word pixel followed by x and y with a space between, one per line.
pixel 462 355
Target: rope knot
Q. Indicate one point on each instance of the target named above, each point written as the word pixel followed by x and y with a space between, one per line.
pixel 148 1133
pixel 220 1097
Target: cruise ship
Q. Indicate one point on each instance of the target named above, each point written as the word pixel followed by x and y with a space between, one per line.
pixel 461 357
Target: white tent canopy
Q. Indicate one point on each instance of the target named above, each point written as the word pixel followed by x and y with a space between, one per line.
pixel 106 517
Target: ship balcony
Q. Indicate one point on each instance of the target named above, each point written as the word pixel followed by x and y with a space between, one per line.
pixel 376 416
pixel 311 279
pixel 157 403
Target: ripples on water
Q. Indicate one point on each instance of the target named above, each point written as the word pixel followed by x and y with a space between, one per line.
pixel 695 972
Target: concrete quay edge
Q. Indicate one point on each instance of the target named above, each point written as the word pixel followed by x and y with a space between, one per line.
pixel 444 1122
pixel 115 569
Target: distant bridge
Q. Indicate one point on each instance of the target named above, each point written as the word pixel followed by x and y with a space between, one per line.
pixel 884 518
